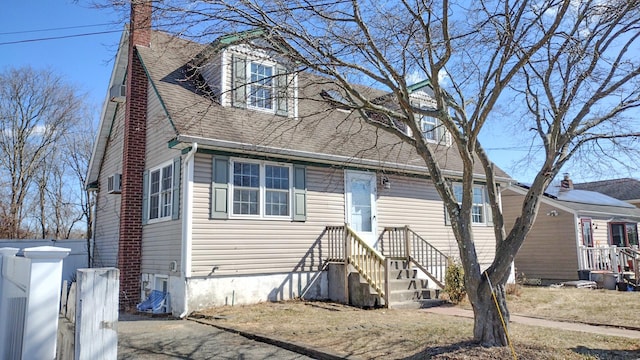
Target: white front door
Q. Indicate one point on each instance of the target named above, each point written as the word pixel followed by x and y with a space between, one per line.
pixel 360 207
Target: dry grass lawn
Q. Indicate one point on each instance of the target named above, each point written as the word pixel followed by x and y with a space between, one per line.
pixel 415 334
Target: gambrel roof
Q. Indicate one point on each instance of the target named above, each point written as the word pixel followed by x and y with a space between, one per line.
pixel 319 134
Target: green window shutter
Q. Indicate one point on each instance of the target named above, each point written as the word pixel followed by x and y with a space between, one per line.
pixel 239 81
pixel 487 207
pixel 145 197
pixel 299 193
pixel 282 92
pixel 177 170
pixel 220 188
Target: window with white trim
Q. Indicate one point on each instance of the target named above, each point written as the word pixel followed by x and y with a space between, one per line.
pixel 260 86
pixel 260 189
pixel 431 128
pixel 160 192
pixel 479 204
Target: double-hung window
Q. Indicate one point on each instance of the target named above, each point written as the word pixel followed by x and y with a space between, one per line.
pixel 160 192
pixel 479 203
pixel 260 189
pixel 624 234
pixel 430 129
pixel 246 188
pixel 260 86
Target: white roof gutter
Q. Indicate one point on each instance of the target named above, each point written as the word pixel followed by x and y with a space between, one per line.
pixel 301 155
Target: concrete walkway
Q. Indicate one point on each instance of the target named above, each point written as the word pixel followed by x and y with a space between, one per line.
pixel 561 325
pixel 142 337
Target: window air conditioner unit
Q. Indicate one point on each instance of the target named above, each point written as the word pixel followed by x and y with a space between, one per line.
pixel 117 93
pixel 113 184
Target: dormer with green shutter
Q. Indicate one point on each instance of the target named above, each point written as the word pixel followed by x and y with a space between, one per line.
pixel 422 97
pixel 243 71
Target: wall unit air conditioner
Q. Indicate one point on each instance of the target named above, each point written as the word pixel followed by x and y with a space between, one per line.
pixel 117 93
pixel 113 183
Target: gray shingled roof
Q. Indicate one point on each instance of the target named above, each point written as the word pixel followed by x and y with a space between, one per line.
pixel 622 189
pixel 586 202
pixel 319 131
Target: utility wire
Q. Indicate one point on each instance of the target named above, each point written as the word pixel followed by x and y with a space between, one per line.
pixel 55 29
pixel 58 37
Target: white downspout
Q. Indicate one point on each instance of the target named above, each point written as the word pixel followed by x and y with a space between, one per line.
pixel 187 221
pixel 577 232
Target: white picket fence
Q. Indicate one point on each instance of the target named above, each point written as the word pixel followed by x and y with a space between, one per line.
pixel 29 300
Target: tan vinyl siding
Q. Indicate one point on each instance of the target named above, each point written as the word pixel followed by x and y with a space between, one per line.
pixel 415 202
pixel 212 74
pixel 240 246
pixel 549 251
pixel 161 241
pixel 107 223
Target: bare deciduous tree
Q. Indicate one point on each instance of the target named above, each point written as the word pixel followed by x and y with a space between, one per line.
pixel 571 63
pixel 37 109
pixel 80 145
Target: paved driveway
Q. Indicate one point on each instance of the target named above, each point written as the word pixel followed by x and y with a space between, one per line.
pixel 141 337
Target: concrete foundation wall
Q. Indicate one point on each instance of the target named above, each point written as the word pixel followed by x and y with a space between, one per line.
pixel 335 277
pixel 252 289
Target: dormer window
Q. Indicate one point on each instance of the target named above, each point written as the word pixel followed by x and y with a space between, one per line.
pixel 431 129
pixel 259 84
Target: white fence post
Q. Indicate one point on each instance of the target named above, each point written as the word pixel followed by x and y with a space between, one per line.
pixel 97 314
pixel 43 304
pixel 13 294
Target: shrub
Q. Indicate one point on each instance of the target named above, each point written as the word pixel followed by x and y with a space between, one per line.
pixel 454 282
pixel 513 289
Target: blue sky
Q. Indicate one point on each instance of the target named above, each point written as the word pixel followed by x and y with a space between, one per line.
pixel 86 61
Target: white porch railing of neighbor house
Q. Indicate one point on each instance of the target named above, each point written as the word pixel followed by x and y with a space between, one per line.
pixel 29 300
pixel 608 258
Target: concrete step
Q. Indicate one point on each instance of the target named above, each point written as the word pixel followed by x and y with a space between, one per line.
pixel 403 274
pixel 412 295
pixel 408 284
pixel 417 304
pixel 398 264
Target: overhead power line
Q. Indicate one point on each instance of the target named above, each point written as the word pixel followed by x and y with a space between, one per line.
pixel 59 37
pixel 59 28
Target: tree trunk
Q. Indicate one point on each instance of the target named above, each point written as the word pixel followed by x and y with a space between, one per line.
pixel 488 328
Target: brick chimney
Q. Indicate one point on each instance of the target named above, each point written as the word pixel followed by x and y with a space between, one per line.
pixel 133 158
pixel 566 183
